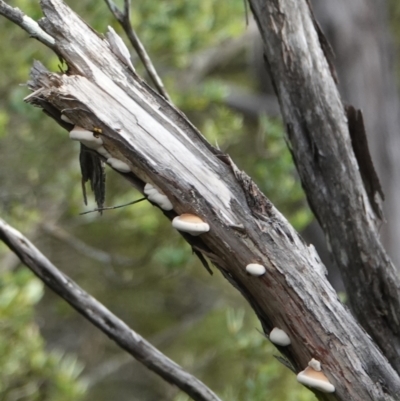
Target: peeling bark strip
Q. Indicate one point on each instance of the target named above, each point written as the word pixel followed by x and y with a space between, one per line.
pixel 161 147
pixel 359 143
pixel 321 147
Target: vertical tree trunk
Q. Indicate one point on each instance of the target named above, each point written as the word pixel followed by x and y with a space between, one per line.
pixel 303 77
pixel 358 31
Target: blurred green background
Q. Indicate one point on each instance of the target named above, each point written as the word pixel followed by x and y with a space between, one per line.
pixel 130 259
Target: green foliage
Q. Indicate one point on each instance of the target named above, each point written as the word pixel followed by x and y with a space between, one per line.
pixel 264 378
pixel 28 371
pixel 174 30
pixel 245 354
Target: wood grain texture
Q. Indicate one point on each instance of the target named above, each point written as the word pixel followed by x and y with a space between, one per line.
pixel 359 31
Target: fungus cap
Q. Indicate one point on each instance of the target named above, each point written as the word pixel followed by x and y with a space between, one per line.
pixel 103 151
pixel 279 337
pixel 156 196
pixel 118 165
pixel 315 379
pixel 316 365
pixel 190 223
pixel 255 269
pixel 86 137
pixel 66 119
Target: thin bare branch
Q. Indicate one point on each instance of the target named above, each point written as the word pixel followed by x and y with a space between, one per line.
pixel 83 248
pixel 164 338
pixel 28 24
pixel 100 209
pixel 124 20
pixel 102 318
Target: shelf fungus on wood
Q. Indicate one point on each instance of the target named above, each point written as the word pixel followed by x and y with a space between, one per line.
pixel 118 165
pixel 312 376
pixel 85 137
pixel 191 224
pixel 156 196
pixel 255 269
pixel 103 152
pixel 279 337
pixel 66 119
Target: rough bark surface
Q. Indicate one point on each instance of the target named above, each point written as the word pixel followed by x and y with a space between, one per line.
pixel 320 143
pixel 162 147
pixel 359 33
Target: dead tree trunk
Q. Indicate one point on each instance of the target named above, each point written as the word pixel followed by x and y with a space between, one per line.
pixel 319 139
pixel 359 34
pixel 161 147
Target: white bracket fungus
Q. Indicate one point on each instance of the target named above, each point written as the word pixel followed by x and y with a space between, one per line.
pixel 66 119
pixel 156 196
pixel 316 365
pixel 86 137
pixel 190 223
pixel 118 165
pixel 255 269
pixel 103 151
pixel 279 337
pixel 315 378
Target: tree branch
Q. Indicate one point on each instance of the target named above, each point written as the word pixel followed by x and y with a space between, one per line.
pixel 321 147
pixel 84 249
pixel 162 147
pixel 169 335
pixel 124 20
pixel 26 23
pixel 135 130
pixel 102 318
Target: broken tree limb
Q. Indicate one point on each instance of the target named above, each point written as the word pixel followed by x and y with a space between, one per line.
pixel 102 318
pixel 161 147
pixel 320 143
pixel 14 14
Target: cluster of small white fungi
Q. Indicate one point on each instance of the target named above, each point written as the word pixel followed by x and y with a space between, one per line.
pixel 157 197
pixel 91 141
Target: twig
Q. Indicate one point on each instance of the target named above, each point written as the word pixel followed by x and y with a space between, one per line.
pixel 124 20
pixel 28 24
pixel 246 12
pixel 100 209
pixel 115 364
pixel 102 318
pixel 83 248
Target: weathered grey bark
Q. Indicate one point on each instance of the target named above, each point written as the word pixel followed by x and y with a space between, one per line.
pixel 101 317
pixel 321 147
pixel 359 33
pixel 162 147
